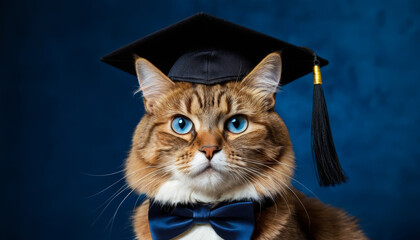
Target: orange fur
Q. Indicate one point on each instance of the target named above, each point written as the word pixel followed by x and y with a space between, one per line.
pixel 261 156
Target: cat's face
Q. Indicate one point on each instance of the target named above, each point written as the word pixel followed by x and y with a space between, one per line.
pixel 211 139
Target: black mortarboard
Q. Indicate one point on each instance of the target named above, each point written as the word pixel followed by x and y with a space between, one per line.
pixel 208 50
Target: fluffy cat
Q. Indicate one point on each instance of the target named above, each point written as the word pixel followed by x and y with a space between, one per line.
pixel 190 147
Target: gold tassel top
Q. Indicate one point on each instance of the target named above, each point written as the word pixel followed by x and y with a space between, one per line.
pixel 317 75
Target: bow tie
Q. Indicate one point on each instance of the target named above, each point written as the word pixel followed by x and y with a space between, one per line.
pixel 232 221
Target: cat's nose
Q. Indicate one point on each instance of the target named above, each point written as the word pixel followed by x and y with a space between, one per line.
pixel 209 151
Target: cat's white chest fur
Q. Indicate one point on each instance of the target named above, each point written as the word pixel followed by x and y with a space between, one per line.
pixel 174 191
pixel 199 232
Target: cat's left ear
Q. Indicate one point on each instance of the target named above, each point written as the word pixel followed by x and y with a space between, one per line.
pixel 153 83
pixel 264 78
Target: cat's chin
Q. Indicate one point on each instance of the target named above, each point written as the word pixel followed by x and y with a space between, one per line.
pixel 208 180
pixel 208 172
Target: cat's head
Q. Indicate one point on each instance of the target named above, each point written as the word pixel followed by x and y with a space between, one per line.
pixel 211 139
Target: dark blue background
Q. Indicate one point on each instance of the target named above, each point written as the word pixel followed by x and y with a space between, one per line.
pixel 65 115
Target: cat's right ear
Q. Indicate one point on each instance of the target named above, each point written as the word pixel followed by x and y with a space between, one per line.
pixel 153 83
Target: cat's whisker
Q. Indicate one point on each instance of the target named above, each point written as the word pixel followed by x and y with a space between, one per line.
pixel 268 193
pixel 248 172
pixel 111 222
pixel 117 193
pixel 122 178
pixel 104 175
pixel 154 182
pixel 285 185
pixel 281 189
pixel 271 158
pixel 240 178
pixel 110 186
pixel 115 213
pixel 119 180
pixel 301 203
pixel 121 188
pixel 136 202
pixel 290 177
pixel 137 183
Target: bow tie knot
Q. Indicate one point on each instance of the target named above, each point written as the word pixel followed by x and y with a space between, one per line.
pixel 229 220
pixel 201 214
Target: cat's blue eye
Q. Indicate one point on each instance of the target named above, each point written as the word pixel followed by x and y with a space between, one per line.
pixel 237 124
pixel 181 125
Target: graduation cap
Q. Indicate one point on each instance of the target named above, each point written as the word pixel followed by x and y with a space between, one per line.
pixel 208 50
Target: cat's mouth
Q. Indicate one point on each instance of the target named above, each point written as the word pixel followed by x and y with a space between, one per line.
pixel 207 170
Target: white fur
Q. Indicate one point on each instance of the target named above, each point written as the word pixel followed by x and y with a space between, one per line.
pixel 199 232
pixel 175 191
pixel 186 189
pixel 203 180
pixel 207 186
pixel 183 189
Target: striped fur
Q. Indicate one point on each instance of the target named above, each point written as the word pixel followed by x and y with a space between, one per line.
pixel 255 164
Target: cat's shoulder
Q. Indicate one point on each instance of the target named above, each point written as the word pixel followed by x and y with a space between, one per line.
pixel 323 221
pixel 141 223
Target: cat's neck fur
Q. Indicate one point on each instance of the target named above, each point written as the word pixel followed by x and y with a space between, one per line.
pixel 176 192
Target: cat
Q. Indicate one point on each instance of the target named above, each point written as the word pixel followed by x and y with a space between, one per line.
pixel 213 143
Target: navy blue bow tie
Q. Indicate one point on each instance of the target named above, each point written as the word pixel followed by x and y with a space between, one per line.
pixel 232 221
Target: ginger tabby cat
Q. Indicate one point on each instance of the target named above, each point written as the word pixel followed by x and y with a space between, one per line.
pixel 212 143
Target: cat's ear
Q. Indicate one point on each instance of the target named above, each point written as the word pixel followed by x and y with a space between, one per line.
pixel 153 83
pixel 264 79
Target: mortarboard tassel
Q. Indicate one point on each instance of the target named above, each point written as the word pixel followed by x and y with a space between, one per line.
pixel 327 164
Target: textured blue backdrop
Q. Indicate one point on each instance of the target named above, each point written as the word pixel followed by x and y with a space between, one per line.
pixel 65 115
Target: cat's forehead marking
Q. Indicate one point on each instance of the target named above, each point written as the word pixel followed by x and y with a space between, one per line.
pixel 204 105
pixel 209 103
